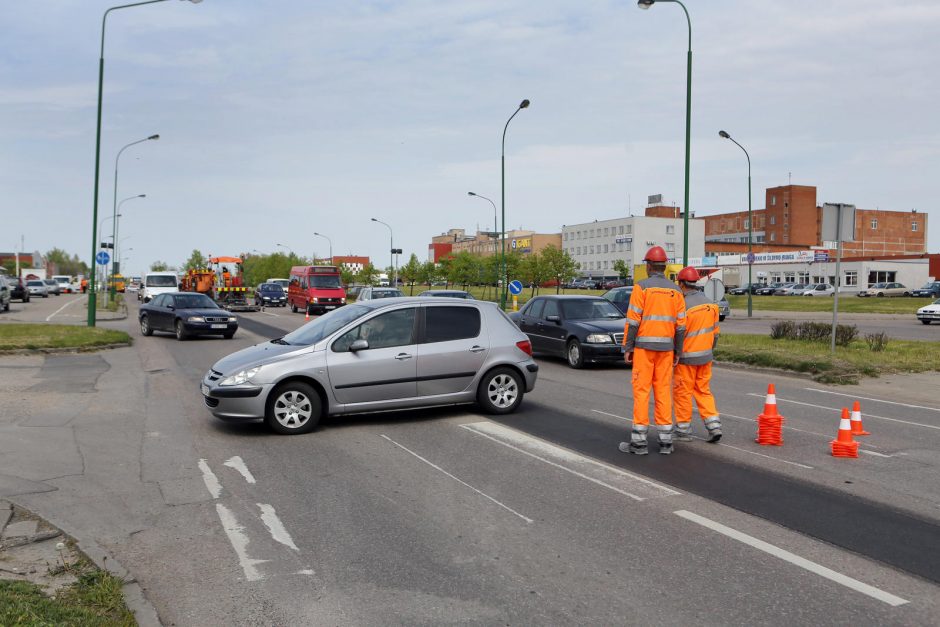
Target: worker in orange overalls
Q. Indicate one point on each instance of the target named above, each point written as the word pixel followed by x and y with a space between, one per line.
pixel 84 285
pixel 652 343
pixel 694 372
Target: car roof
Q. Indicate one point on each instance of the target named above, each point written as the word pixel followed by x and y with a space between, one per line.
pixel 443 291
pixel 570 296
pixel 418 300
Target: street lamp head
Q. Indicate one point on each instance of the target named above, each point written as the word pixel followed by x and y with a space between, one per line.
pixel 154 137
pixel 471 194
pixel 524 104
pixel 724 134
pixel 141 195
pixel 374 220
pixel 645 4
pixel 194 1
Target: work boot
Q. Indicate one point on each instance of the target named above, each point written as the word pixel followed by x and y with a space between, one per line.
pixel 665 439
pixel 637 443
pixel 666 448
pixel 683 432
pixel 713 425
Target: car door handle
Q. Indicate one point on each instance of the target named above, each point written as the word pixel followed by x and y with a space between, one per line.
pixel 402 356
pixel 477 349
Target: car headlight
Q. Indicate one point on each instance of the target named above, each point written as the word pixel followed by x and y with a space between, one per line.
pixel 599 338
pixel 195 319
pixel 232 319
pixel 316 300
pixel 240 377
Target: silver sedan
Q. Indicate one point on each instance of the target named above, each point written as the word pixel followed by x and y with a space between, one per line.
pixel 390 353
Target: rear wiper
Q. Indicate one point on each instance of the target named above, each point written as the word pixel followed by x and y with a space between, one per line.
pixel 279 340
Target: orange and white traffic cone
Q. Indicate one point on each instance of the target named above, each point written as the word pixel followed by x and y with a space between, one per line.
pixel 307 317
pixel 770 422
pixel 844 445
pixel 857 428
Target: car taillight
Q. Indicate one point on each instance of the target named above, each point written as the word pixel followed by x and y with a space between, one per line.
pixel 525 346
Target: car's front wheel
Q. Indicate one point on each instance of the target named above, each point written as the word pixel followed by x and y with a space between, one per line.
pixel 293 408
pixel 181 333
pixel 500 391
pixel 574 354
pixel 145 325
pixel 926 321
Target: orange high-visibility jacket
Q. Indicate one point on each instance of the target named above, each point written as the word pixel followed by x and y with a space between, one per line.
pixel 655 316
pixel 701 329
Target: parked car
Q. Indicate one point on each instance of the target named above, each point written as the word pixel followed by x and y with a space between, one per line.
pixel 795 289
pixel 929 313
pixel 5 293
pixel 18 289
pixel 186 314
pixel 364 357
pixel 724 309
pixel 582 329
pixel 447 294
pixel 37 287
pixel 782 290
pixel 620 297
pixel 53 287
pixel 744 289
pixel 371 293
pixel 767 290
pixel 819 289
pixel 271 295
pixel 931 289
pixel 886 289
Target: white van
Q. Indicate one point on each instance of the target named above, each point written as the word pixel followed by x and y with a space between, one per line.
pixel 157 283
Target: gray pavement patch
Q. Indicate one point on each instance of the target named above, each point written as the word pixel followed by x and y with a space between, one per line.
pixel 64 351
pixel 13 486
pixel 76 374
pixel 22 528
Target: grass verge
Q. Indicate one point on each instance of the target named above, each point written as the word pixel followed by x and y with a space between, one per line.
pixel 95 599
pixel 491 293
pixel 15 336
pixel 847 304
pixel 847 366
pixel 104 302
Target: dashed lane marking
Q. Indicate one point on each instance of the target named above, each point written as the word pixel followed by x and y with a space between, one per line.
pixel 239 541
pixel 209 478
pixel 275 526
pixel 866 415
pixel 239 464
pixel 875 400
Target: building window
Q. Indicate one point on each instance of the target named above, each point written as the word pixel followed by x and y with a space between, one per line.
pixel 747 223
pixel 627 247
pixel 773 201
pixel 913 227
pixel 621 229
pixel 874 226
pixel 606 230
pixel 881 276
pixel 566 236
pixel 670 247
pixel 592 250
pixel 605 264
pixel 670 229
pixel 851 278
pixel 773 220
pixel 629 229
pixel 773 237
pixel 802 277
pixel 605 248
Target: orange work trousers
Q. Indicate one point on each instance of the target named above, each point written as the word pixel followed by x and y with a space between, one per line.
pixel 652 370
pixel 693 382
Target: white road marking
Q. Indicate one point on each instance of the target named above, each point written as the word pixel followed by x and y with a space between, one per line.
pixel 597 411
pixel 53 314
pixel 876 400
pixel 306 571
pixel 238 464
pixel 822 435
pixel 744 450
pixel 271 314
pixel 861 450
pixel 438 468
pixel 275 526
pixel 239 541
pixel 517 441
pixel 211 481
pixel 866 415
pixel 796 560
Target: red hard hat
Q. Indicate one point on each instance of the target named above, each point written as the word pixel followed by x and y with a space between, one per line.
pixel 656 254
pixel 689 274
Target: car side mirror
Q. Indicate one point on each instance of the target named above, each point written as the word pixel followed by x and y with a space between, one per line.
pixel 358 345
pixel 171 307
pixel 555 319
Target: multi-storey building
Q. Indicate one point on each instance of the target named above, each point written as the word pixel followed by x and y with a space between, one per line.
pixel 456 241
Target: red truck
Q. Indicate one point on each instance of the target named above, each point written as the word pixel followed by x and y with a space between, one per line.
pixel 315 289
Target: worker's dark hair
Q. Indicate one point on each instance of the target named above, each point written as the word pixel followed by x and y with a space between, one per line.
pixel 656 267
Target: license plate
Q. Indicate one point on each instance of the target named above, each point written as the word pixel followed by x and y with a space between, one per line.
pixel 205 390
pixel 219 326
pixel 329 306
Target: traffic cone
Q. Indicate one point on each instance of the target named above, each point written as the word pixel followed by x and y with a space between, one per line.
pixel 844 445
pixel 770 422
pixel 307 317
pixel 857 428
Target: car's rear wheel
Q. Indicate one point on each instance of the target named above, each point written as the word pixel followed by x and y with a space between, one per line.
pixel 293 408
pixel 926 321
pixel 501 391
pixel 881 294
pixel 293 307
pixel 574 354
pixel 181 333
pixel 145 325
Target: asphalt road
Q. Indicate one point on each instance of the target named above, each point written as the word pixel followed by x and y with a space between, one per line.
pixel 448 516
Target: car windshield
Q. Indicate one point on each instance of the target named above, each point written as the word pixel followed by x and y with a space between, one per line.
pixel 324 280
pixel 194 301
pixel 589 309
pixel 271 287
pixel 50 282
pixel 386 293
pixel 35 283
pixel 161 280
pixel 316 330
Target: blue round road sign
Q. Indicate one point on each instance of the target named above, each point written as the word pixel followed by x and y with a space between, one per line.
pixel 751 257
pixel 103 258
pixel 515 287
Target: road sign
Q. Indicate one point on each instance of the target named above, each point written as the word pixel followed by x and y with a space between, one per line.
pixel 714 289
pixel 751 257
pixel 821 255
pixel 103 258
pixel 515 287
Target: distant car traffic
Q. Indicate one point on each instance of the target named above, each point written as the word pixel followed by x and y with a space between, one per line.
pixel 185 314
pixel 371 293
pixel 582 329
pixel 819 289
pixel 767 290
pixel 784 289
pixel 271 295
pixel 930 289
pixel 53 287
pixel 929 313
pixel 37 287
pixel 282 282
pixel 365 357
pixel 18 289
pixel 744 289
pixel 886 289
pixel 795 289
pixel 447 294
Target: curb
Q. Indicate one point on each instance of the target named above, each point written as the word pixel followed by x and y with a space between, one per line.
pixel 144 611
pixel 733 365
pixel 57 351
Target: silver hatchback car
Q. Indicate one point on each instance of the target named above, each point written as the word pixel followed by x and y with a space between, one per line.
pixel 390 353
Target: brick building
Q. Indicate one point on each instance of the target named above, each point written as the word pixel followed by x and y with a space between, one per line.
pixel 350 262
pixel 792 219
pixel 456 241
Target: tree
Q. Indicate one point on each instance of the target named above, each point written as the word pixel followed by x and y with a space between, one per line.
pixel 346 275
pixel 368 274
pixel 10 266
pixel 463 269
pixel 623 271
pixel 534 270
pixel 196 261
pixel 409 272
pixel 561 266
pixel 65 263
pixel 159 266
pixel 426 273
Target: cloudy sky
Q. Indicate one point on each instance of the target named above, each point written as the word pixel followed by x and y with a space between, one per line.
pixel 283 117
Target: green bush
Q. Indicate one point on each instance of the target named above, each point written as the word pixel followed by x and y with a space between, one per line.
pixel 877 342
pixel 845 334
pixel 813 332
pixel 783 330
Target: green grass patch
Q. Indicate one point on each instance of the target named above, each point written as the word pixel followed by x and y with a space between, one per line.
pixel 104 302
pixel 95 599
pixel 847 304
pixel 848 365
pixel 34 336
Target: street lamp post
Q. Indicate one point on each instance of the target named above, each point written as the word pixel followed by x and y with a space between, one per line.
pixel 328 240
pixel 495 217
pixel 750 224
pixel 114 236
pixel 503 268
pixel 646 4
pixel 391 240
pixel 287 248
pixel 114 208
pixel 92 299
